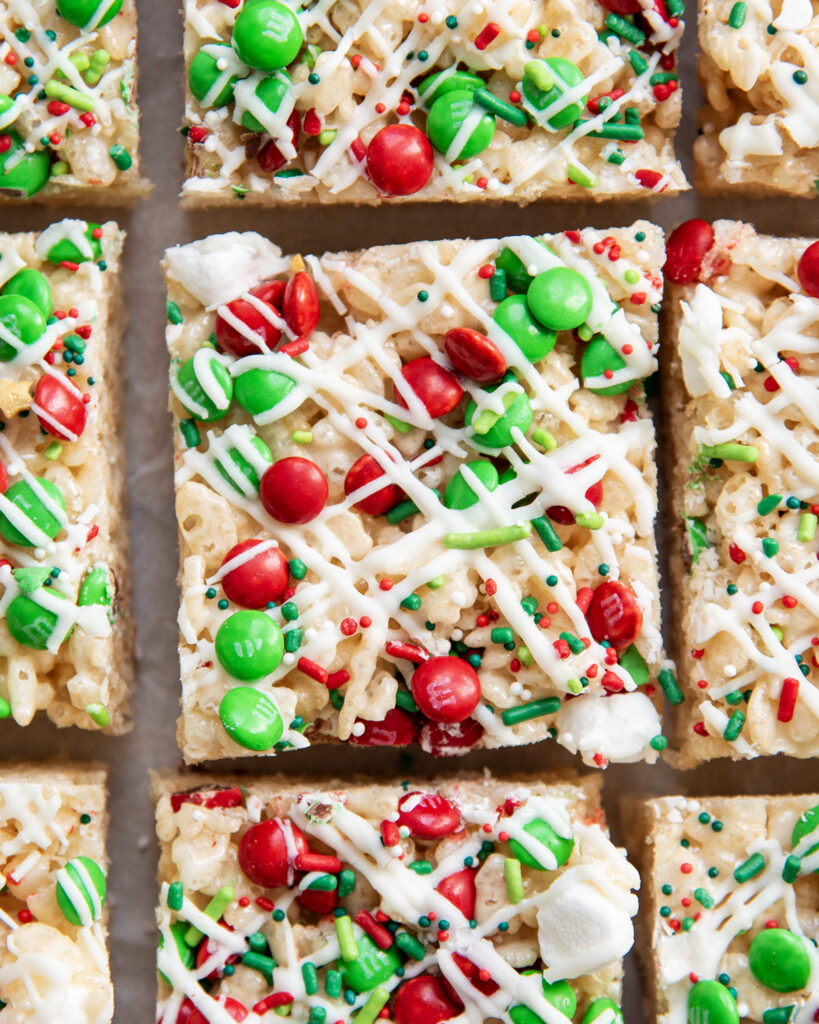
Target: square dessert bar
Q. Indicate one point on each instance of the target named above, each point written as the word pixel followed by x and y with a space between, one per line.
pixel 53 956
pixel 416 493
pixel 473 898
pixel 65 632
pixel 741 400
pixel 759 69
pixel 443 100
pixel 69 123
pixel 729 908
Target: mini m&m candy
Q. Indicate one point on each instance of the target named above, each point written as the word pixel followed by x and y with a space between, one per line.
pixel 22 173
pixel 31 624
pixel 39 503
pixel 560 847
pixel 294 490
pixel 81 889
pixel 614 614
pixel 204 386
pixel 424 1000
pixel 267 35
pixel 21 319
pixel 428 815
pixel 207 71
pixel 249 645
pixel 400 159
pixel 267 852
pixel 533 339
pixel 32 285
pixel 251 718
pixel 560 298
pixel 88 14
pixel 686 249
pixel 257 573
pixel 446 689
pixel 446 117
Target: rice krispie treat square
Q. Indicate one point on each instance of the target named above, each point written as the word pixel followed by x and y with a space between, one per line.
pixel 729 908
pixel 65 630
pixel 741 400
pixel 416 493
pixel 444 100
pixel 69 122
pixel 759 69
pixel 53 956
pixel 473 898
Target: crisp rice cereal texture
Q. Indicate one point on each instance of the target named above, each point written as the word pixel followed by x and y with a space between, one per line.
pixel 698 921
pixel 84 134
pixel 745 584
pixel 469 827
pixel 372 595
pixel 760 124
pixel 367 66
pixel 50 816
pixel 81 675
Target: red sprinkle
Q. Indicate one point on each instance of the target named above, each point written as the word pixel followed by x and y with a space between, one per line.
pixel 423 17
pixel 702 684
pixel 197 133
pixel 486 271
pixel 295 348
pixel 736 554
pixel 361 423
pixel 312 122
pixel 10 59
pixel 611 683
pixel 409 652
pixel 348 626
pixel 648 178
pixel 787 699
pixel 516 97
pixel 88 119
pixel 757 607
pixel 573 236
pixel 336 679
pixel 275 998
pixel 265 904
pixel 25 916
pixel 789 602
pixel 69 265
pixel 314 671
pixel 488 33
pixel 56 108
pixel 367 923
pixel 584 598
pixel 699 729
pixel 491 587
pixel 389 833
pixel 686 868
pixel 92 533
pixel 386 584
pixel 5 143
pixel 365 622
pixel 357 147
pixel 324 862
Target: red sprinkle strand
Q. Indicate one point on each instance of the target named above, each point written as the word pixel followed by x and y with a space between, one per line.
pixel 275 998
pixel 488 33
pixel 390 833
pixel 367 923
pixel 336 679
pixel 314 671
pixel 409 652
pixel 787 699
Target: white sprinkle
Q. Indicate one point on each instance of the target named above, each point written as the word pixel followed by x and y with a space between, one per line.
pixel 358 728
pixel 289 659
pixel 729 670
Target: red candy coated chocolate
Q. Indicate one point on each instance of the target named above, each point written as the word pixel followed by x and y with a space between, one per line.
pixel 294 490
pixel 362 472
pixel 259 580
pixel 563 515
pixel 232 340
pixel 300 305
pixel 424 1000
pixel 400 159
pixel 449 739
pixel 263 853
pixel 474 355
pixel 614 614
pixel 396 730
pixel 808 270
pixel 446 689
pixel 188 1014
pixel 685 250
pixel 428 815
pixel 459 889
pixel 434 385
pixel 66 413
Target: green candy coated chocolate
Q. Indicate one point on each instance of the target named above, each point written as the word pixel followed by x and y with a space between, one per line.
pixel 598 357
pixel 533 339
pixel 560 994
pixel 518 277
pixel 96 588
pixel 26 176
pixel 711 1003
pixel 564 76
pixel 267 35
pixel 600 1006
pixel 249 645
pixel 65 249
pixel 257 391
pixel 81 12
pixel 191 386
pixel 270 92
pixel 518 414
pixel 460 495
pixel 779 960
pixel 245 468
pixel 373 967
pixel 447 114
pixel 187 954
pixel 32 625
pixel 250 718
pixel 545 834
pixel 635 664
pixel 560 298
pixel 32 285
pixel 24 497
pixel 88 886
pixel 441 83
pixel 6 103
pixel 204 71
pixel 20 317
pixel 806 824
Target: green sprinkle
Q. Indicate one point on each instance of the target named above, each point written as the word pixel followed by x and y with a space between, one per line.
pixel 547 533
pixel 121 157
pixel 617 157
pixel 576 645
pixel 290 611
pixel 734 726
pixel 190 433
pixel 580 176
pixel 404 700
pixel 346 883
pixel 750 868
pixel 768 504
pixel 675 7
pixel 771 30
pixel 301 436
pixel 346 939
pixel 514 879
pixel 736 19
pixel 658 743
pixel 332 984
pixel 292 640
pixel 621 132
pixel 214 910
pixel 730 451
pixel 501 635
pixel 98 713
pixel 317 1015
pixel 534 709
pixel 544 439
pixel 410 945
pixel 620 27
pixel 495 105
pixel 734 697
pixel 374 1005
pixel 778 1014
pixel 487 538
pixel 631 276
pixel 525 656
pixel 791 869
pixel 451 21
pixel 497 285
pixel 574 686
pixel 807 526
pixel 704 897
pixel 279 915
pixel 667 681
pixel 174 313
pixel 298 570
pixel 770 546
pixel 423 295
pixel 259 962
pixel 66 94
pixel 800 77
pixel 176 895
pixel 412 602
pixel 665 911
pixel 310 976
pixel 589 520
pixel 53 451
pixel 327 135
pixel 421 867
pixel 639 64
pixel 257 942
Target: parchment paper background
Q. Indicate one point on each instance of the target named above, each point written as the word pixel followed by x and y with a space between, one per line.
pixel 159 223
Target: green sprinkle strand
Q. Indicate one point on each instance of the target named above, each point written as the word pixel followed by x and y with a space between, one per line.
pixel 736 19
pixel 669 685
pixel 408 944
pixel 514 879
pixel 487 538
pixel 534 709
pixel 176 894
pixel 750 868
pixel 346 938
pixel 547 533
